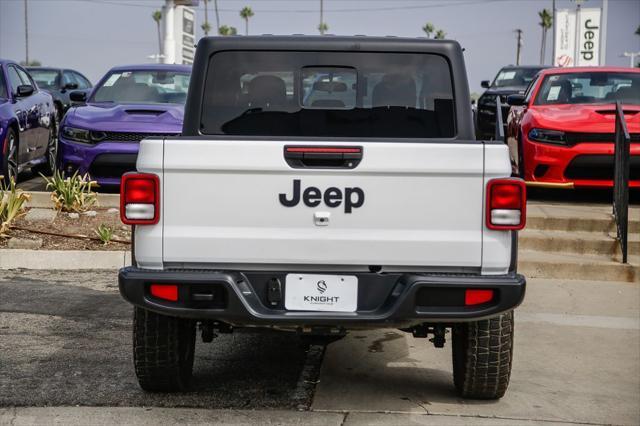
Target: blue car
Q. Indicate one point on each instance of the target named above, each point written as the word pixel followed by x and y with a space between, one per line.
pixel 28 128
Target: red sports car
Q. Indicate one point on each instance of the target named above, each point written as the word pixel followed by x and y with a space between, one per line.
pixel 561 131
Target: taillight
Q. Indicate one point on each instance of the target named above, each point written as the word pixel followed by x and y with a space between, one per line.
pixel 165 291
pixel 477 297
pixel 139 199
pixel 506 204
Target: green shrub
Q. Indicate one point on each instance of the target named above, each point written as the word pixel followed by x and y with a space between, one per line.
pixel 12 204
pixel 71 194
pixel 104 232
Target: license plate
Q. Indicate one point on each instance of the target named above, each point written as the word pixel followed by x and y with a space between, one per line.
pixel 331 293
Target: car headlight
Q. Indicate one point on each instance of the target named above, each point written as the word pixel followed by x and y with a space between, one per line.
pixel 75 134
pixel 83 135
pixel 548 136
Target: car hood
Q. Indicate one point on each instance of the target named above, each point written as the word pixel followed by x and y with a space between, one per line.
pixel 510 90
pixel 130 118
pixel 593 118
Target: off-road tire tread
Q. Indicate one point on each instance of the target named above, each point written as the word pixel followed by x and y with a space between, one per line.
pixel 163 349
pixel 482 357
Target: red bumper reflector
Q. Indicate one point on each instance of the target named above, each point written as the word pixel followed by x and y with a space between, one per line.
pixel 477 297
pixel 165 291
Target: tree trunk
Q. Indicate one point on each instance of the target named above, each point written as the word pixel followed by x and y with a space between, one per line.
pixel 215 6
pixel 246 26
pixel 206 18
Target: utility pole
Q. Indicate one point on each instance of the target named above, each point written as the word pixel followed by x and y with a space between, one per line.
pixel 169 42
pixel 206 18
pixel 26 33
pixel 519 46
pixel 321 26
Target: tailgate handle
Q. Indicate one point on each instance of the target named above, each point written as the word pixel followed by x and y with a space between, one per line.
pixel 323 157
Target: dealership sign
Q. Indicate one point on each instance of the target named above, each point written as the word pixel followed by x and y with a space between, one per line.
pixel 577 37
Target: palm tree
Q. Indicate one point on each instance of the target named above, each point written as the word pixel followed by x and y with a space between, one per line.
pixel 440 35
pixel 428 29
pixel 245 14
pixel 546 20
pixel 157 17
pixel 323 28
pixel 206 27
pixel 226 30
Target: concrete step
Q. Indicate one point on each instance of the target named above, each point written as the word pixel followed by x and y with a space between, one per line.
pixel 581 242
pixel 536 264
pixel 569 217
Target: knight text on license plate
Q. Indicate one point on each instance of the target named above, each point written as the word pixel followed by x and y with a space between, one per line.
pixel 331 293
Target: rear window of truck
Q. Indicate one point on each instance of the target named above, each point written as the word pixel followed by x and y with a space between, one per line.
pixel 328 94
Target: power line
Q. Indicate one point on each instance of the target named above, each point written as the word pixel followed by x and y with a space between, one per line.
pixel 342 10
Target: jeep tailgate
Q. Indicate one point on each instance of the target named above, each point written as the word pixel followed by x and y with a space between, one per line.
pixel 409 204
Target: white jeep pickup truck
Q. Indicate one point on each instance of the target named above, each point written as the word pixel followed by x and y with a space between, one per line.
pixel 324 184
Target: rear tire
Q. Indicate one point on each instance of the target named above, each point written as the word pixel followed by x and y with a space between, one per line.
pixel 163 349
pixel 482 357
pixel 10 161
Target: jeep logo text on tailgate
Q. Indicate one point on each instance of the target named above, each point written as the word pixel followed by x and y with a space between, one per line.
pixel 332 197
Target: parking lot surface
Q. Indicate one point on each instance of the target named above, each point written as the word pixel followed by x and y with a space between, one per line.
pixel 65 340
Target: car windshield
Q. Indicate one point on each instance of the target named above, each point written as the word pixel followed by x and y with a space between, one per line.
pixel 144 86
pixel 3 86
pixel 590 88
pixel 337 94
pixel 46 79
pixel 515 77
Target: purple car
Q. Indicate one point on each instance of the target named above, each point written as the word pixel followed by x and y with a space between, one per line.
pixel 27 123
pixel 101 137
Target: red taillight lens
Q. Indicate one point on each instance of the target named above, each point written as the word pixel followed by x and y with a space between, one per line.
pixel 165 291
pixel 139 199
pixel 140 190
pixel 506 204
pixel 477 297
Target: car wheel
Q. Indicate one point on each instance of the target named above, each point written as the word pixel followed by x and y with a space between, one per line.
pixel 10 160
pixel 482 357
pixel 163 349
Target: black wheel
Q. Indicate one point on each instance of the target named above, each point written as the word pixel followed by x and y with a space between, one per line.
pixel 163 349
pixel 10 159
pixel 482 357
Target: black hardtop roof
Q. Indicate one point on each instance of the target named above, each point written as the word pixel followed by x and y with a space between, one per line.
pixel 327 42
pixel 209 46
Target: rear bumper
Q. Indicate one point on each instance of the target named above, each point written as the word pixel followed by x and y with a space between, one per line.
pixel 384 300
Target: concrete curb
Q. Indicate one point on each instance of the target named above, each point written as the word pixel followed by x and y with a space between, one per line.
pixel 63 259
pixel 41 199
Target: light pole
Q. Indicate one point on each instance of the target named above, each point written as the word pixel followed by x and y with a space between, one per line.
pixel 26 33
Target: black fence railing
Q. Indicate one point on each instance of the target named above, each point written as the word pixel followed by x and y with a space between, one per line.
pixel 621 165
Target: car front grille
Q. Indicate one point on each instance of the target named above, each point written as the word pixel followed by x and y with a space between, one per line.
pixel 574 138
pixel 599 167
pixel 133 136
pixel 112 165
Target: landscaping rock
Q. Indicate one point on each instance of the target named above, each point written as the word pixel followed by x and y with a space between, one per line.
pixel 91 213
pixel 41 215
pixel 74 215
pixel 113 210
pixel 23 243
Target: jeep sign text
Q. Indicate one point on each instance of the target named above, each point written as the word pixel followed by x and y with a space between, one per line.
pixel 332 197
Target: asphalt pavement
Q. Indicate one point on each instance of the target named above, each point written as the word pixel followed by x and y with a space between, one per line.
pixel 65 340
pixel 65 358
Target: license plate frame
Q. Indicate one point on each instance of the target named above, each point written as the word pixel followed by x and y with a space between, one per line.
pixel 321 293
